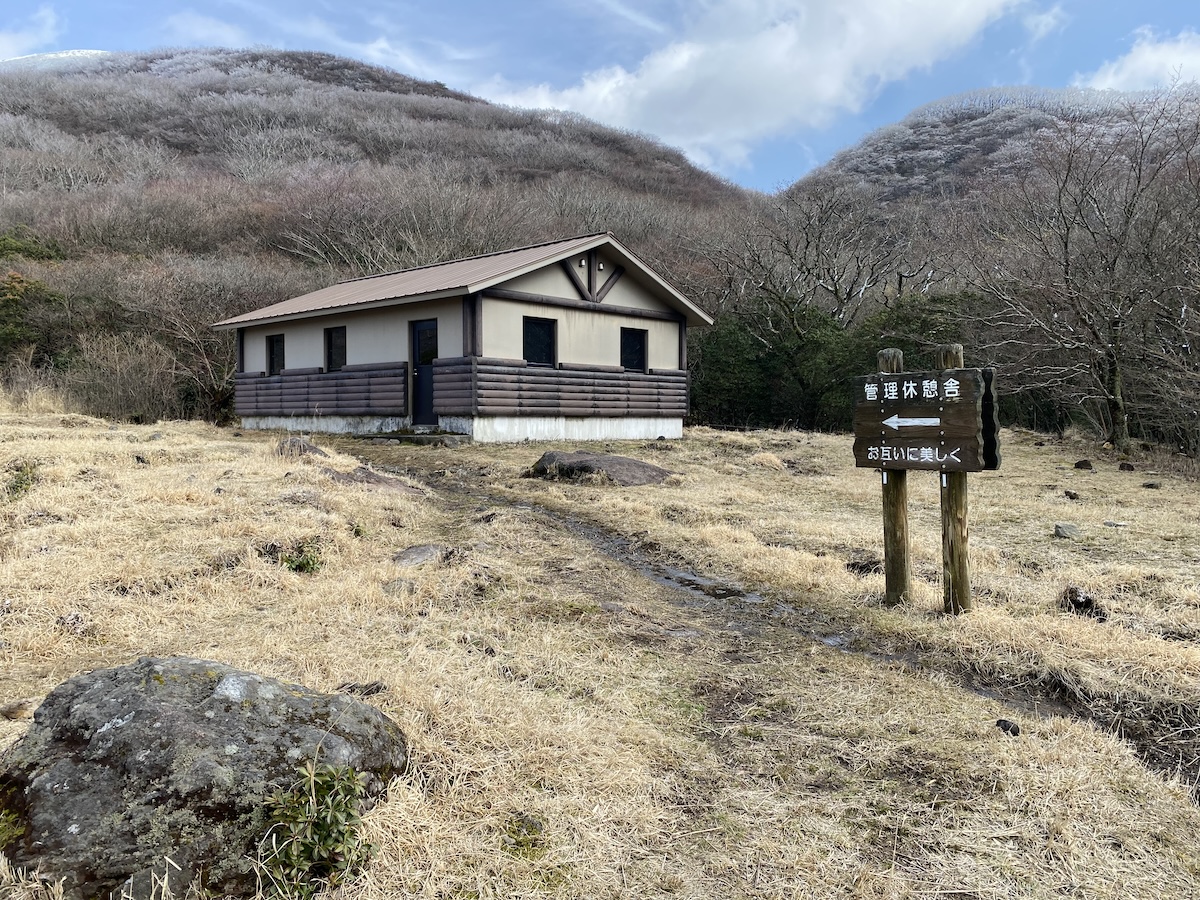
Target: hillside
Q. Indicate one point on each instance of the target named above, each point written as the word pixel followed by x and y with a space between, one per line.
pixel 272 114
pixel 691 689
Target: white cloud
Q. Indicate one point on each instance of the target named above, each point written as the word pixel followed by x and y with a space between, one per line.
pixel 311 31
pixel 1153 62
pixel 381 50
pixel 1043 24
pixel 42 30
pixel 192 28
pixel 743 70
pixel 632 16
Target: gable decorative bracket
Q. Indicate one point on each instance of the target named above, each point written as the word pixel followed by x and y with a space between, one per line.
pixel 591 265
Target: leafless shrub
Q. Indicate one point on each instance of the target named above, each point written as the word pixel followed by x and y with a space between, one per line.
pixel 127 376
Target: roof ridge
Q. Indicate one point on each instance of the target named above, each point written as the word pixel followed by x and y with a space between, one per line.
pixel 460 259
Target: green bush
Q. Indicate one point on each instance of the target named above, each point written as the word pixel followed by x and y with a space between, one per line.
pixel 314 841
pixel 305 558
pixel 22 476
pixel 20 241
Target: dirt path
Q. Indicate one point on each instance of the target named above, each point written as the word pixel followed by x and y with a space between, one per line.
pixel 1165 737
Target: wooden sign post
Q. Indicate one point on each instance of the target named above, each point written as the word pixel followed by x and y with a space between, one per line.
pixel 942 421
pixel 897 567
pixel 956 558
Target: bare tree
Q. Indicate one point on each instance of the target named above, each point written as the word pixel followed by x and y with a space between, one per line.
pixel 1085 255
pixel 825 246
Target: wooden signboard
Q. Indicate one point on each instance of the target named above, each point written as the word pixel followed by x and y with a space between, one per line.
pixel 941 421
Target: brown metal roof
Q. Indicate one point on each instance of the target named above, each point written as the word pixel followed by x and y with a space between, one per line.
pixel 455 278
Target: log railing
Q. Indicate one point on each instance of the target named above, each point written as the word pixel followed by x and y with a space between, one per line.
pixel 374 389
pixel 477 386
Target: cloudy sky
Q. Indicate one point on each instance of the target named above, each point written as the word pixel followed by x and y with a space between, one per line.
pixel 757 90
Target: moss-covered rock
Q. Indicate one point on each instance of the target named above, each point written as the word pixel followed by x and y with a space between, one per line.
pixel 173 758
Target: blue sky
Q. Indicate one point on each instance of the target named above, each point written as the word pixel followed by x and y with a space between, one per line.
pixel 757 90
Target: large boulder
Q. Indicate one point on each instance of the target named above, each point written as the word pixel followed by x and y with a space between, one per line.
pixel 173 758
pixel 619 469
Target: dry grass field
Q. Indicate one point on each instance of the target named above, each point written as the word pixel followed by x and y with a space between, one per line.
pixel 584 726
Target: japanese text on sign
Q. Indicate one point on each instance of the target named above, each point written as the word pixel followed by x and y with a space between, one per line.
pixel 904 388
pixel 914 454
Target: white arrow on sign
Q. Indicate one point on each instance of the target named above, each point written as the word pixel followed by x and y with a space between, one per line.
pixel 897 422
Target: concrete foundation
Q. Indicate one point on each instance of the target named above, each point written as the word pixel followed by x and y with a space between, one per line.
pixel 485 429
pixel 511 429
pixel 328 424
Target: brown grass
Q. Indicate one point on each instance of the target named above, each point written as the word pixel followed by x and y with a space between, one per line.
pixel 665 745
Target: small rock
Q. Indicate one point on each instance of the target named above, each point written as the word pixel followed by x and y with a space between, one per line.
pixel 1078 601
pixel 20 709
pixel 1084 464
pixel 420 554
pixel 1109 523
pixel 558 464
pixel 1126 467
pixel 301 497
pixel 1071 495
pixel 369 477
pixel 74 623
pixel 361 689
pixel 1152 485
pixel 1010 728
pixel 140 460
pixel 400 587
pixel 295 446
pixel 1069 531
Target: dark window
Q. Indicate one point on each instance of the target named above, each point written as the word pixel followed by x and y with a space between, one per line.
pixel 633 349
pixel 425 343
pixel 274 354
pixel 539 345
pixel 335 348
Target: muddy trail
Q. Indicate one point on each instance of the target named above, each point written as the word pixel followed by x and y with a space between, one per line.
pixel 1165 736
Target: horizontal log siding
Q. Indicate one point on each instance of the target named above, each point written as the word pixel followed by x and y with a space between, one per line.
pixel 368 390
pixel 472 386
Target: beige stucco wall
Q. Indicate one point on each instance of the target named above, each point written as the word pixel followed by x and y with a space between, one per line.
pixel 629 292
pixel 584 337
pixel 551 281
pixel 380 335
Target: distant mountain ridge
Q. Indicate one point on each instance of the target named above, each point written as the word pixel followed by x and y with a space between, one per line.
pixel 304 106
pixel 943 147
